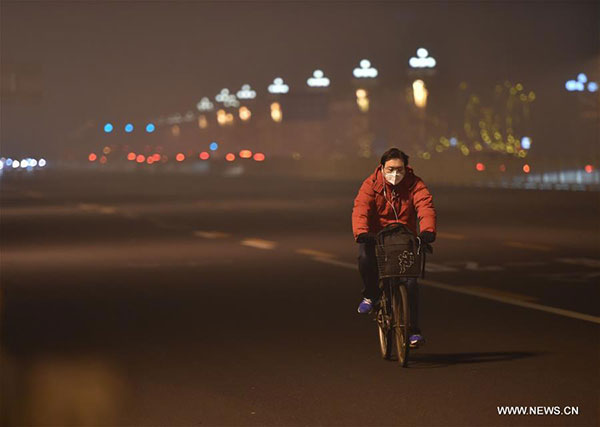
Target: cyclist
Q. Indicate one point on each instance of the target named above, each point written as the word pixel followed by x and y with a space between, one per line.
pixel 392 193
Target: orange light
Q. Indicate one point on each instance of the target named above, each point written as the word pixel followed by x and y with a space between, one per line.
pixel 156 157
pixel 245 154
pixel 103 159
pixel 150 160
pixel 180 157
pixel 204 155
pixel 230 157
pixel 480 167
pixel 259 157
pixel 502 168
pixel 131 156
pixel 589 168
pixel 526 169
pixel 92 157
pixel 140 158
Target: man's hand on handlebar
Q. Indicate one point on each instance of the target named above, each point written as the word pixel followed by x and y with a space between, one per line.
pixel 366 238
pixel 427 236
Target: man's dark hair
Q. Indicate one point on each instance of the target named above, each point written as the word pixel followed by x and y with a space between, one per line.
pixel 394 153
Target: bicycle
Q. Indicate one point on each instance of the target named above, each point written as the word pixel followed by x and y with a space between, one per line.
pixel 400 255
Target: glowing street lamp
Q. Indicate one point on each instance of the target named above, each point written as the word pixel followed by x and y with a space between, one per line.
pixel 205 105
pixel 227 99
pixel 245 113
pixel 422 60
pixel 420 93
pixel 362 100
pixel 365 71
pixel 246 92
pixel 276 113
pixel 318 79
pixel 278 86
pixel 579 85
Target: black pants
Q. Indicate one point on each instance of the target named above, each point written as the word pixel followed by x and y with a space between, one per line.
pixel 367 266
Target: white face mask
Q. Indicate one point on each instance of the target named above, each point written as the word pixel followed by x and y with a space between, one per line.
pixel 394 177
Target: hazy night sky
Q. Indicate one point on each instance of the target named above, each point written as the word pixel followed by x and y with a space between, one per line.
pixel 118 60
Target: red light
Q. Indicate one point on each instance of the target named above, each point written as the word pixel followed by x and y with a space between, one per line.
pixel 259 157
pixel 589 168
pixel 92 157
pixel 230 157
pixel 156 157
pixel 204 155
pixel 502 168
pixel 526 169
pixel 103 159
pixel 131 156
pixel 480 167
pixel 179 157
pixel 150 160
pixel 245 154
pixel 140 158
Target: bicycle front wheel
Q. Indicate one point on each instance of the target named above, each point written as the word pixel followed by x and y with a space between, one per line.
pixel 401 322
pixel 384 325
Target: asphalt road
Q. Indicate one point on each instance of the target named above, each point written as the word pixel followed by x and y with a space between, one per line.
pixel 193 300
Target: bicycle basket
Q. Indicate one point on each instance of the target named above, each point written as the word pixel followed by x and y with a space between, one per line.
pixel 399 253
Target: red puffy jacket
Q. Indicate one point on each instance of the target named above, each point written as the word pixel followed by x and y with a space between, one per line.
pixel 410 199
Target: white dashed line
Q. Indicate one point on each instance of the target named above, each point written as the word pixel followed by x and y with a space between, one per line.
pixel 259 244
pixel 486 294
pixel 314 253
pixel 587 262
pixel 211 234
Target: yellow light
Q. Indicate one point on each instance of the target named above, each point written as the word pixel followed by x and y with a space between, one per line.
pixel 523 97
pixel 510 149
pixel 465 150
pixel 519 86
pixel 361 93
pixel 426 156
pixel 245 114
pixel 420 93
pixel 522 153
pixel 363 104
pixel 202 122
pixel 106 150
pixel 439 148
pixel 276 114
pixel 478 147
pixel 229 119
pixel 531 96
pixel 222 117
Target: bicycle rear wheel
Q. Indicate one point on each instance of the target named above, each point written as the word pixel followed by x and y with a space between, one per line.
pixel 383 317
pixel 401 322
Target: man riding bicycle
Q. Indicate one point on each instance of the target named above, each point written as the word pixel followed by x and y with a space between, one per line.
pixel 392 193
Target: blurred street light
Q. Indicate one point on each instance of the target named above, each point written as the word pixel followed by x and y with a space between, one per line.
pixel 245 113
pixel 318 79
pixel 227 99
pixel 108 128
pixel 278 86
pixel 205 105
pixel 202 121
pixel 246 92
pixel 365 71
pixel 420 93
pixel 579 85
pixel 422 60
pixel 128 128
pixel 362 100
pixel 276 113
pixel 150 127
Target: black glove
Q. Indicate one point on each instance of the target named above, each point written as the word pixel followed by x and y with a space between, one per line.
pixel 427 236
pixel 366 238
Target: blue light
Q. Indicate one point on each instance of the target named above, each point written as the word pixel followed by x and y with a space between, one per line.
pixel 453 141
pixel 9 162
pixel 213 146
pixel 108 128
pixel 150 127
pixel 525 143
pixel 593 86
pixel 128 128
pixel 581 78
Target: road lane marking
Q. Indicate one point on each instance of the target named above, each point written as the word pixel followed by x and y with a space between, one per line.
pixel 587 262
pixel 93 207
pixel 526 264
pixel 474 266
pixel 451 236
pixel 259 243
pixel 512 301
pixel 532 246
pixel 314 253
pixel 486 295
pixel 211 234
pixel 498 292
pixel 432 267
